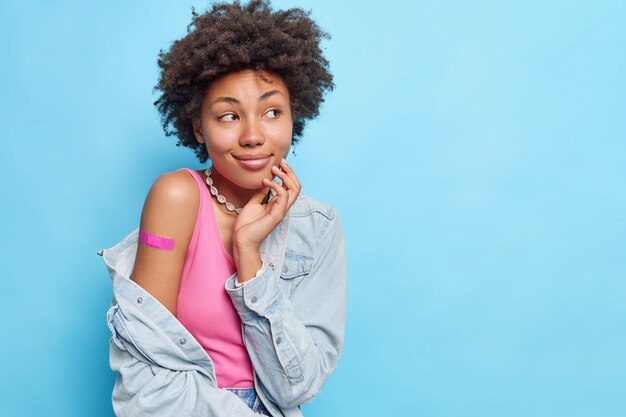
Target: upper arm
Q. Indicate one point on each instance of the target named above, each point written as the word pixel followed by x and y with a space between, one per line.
pixel 169 211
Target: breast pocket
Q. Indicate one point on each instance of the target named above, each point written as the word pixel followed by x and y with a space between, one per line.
pixel 295 269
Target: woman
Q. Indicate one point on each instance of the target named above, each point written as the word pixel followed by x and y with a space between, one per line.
pixel 230 297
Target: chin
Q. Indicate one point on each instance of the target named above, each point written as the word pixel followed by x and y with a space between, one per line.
pixel 253 180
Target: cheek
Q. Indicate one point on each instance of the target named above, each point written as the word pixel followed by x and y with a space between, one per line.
pixel 285 146
pixel 281 145
pixel 282 135
pixel 219 141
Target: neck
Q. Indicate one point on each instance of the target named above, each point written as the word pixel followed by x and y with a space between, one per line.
pixel 234 194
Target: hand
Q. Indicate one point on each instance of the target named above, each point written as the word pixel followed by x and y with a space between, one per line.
pixel 257 220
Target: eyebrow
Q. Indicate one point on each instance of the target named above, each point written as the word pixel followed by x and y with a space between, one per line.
pixel 233 100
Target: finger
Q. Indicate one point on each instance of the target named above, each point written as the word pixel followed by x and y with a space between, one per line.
pixel 259 195
pixel 288 182
pixel 287 169
pixel 277 187
pixel 289 177
pixel 278 209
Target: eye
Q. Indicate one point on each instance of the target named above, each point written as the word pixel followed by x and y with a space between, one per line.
pixel 274 113
pixel 230 117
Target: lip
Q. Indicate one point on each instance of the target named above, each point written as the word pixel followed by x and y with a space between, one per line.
pixel 248 157
pixel 253 162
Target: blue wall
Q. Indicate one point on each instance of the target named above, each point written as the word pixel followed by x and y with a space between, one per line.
pixel 475 150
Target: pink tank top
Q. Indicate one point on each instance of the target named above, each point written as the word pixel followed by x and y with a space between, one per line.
pixel 204 307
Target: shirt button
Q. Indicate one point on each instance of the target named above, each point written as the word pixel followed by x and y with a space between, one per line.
pixel 285 269
pixel 182 341
pixel 139 300
pixel 273 266
pixel 253 299
pixel 278 340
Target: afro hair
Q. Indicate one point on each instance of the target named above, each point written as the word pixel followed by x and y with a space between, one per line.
pixel 232 37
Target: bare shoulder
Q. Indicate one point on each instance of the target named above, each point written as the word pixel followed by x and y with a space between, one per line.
pixel 171 205
pixel 169 212
pixel 176 189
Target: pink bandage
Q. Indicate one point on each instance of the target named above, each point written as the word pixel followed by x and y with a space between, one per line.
pixel 155 241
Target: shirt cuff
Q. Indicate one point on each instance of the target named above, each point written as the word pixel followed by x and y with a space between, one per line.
pixel 259 272
pixel 255 296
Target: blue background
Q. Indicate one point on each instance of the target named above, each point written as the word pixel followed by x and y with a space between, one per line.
pixel 475 150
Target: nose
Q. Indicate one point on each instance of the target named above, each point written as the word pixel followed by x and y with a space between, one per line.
pixel 252 134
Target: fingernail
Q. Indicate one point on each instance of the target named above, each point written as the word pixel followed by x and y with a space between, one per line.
pixel 275 167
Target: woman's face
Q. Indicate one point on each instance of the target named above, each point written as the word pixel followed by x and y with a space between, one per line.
pixel 246 125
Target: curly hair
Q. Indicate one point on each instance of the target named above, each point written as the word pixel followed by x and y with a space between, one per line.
pixel 232 37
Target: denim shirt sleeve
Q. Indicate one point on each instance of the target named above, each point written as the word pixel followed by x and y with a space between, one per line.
pixel 294 344
pixel 161 370
pixel 152 381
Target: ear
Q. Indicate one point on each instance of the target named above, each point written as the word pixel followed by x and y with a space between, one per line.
pixel 197 131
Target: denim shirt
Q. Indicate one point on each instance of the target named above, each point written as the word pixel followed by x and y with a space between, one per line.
pixel 293 319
